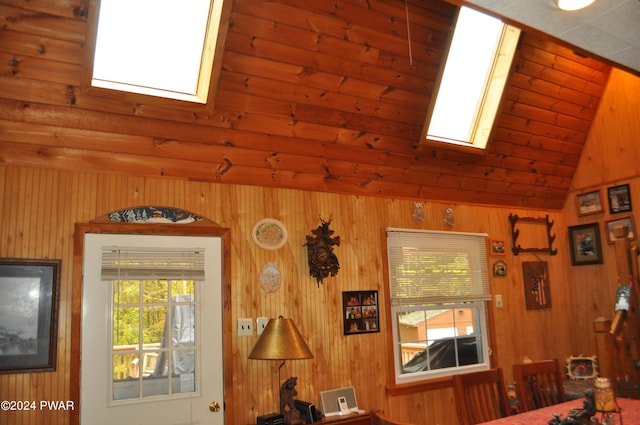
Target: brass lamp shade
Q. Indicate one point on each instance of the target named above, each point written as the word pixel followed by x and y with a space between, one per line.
pixel 280 340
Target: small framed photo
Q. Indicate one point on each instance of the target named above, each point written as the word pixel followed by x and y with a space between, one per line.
pixel 497 247
pixel 584 242
pixel 360 312
pixel 499 268
pixel 619 199
pixel 615 227
pixel 582 367
pixel 589 203
pixel 28 315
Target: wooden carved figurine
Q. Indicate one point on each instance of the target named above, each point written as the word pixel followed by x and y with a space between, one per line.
pixel 322 261
pixel 288 395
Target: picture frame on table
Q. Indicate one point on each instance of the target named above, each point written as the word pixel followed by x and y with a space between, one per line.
pixel 612 225
pixel 29 292
pixel 582 367
pixel 585 245
pixel 589 203
pixel 360 312
pixel 619 199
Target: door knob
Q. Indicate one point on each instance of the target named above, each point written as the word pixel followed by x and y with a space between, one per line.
pixel 214 406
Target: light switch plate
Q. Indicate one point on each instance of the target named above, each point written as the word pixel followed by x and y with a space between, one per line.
pixel 245 327
pixel 261 323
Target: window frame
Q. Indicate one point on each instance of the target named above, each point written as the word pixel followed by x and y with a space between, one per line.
pixel 490 101
pixel 212 56
pixel 441 378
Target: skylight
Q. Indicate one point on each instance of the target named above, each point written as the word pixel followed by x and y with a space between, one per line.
pixel 157 47
pixel 473 80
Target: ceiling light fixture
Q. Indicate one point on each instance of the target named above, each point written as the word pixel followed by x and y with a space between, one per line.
pixel 573 4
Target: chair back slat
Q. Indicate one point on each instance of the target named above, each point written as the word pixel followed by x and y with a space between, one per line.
pixel 539 384
pixel 480 396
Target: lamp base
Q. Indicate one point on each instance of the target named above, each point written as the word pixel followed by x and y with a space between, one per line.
pixel 288 395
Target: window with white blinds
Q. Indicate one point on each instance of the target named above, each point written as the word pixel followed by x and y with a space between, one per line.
pixel 438 285
pixel 120 263
pixel 435 267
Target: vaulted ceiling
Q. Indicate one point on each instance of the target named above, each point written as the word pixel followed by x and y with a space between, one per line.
pixel 324 96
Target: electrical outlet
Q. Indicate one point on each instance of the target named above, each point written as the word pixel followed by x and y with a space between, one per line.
pixel 245 327
pixel 261 323
pixel 499 301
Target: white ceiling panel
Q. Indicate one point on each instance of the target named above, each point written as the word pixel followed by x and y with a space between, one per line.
pixel 609 29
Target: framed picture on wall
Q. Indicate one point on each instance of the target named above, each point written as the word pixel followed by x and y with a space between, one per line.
pixel 497 247
pixel 589 203
pixel 614 227
pixel 619 199
pixel 360 312
pixel 28 315
pixel 584 243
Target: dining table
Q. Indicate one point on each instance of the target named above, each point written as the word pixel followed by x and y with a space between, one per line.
pixel 628 413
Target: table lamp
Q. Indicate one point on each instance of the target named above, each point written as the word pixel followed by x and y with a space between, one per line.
pixel 280 340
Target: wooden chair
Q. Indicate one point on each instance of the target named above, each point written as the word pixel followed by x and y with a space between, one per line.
pixel 480 396
pixel 539 384
pixel 378 418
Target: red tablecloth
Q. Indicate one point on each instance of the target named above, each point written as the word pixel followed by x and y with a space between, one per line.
pixel 630 410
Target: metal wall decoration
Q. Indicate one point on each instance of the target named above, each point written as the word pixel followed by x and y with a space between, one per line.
pixel 323 262
pixel 537 292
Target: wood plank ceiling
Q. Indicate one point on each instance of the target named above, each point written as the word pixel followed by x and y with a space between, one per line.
pixel 319 96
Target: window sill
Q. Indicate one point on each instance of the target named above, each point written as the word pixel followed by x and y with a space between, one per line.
pixel 417 387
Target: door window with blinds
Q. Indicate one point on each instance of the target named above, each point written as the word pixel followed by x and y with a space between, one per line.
pixel 154 320
pixel 438 285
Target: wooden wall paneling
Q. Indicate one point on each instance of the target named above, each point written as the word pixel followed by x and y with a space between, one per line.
pixel 339 360
pixel 28 19
pixel 332 74
pixel 616 123
pixel 594 286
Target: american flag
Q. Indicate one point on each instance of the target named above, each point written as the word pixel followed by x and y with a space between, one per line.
pixel 538 288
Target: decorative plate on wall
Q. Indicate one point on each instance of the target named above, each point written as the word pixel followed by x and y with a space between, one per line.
pixel 270 277
pixel 269 233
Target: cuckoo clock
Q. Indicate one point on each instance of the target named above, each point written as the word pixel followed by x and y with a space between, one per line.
pixel 322 260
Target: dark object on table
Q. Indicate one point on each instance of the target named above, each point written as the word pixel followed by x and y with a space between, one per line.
pixel 578 416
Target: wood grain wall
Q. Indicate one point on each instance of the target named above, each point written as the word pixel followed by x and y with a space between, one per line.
pixel 312 95
pixel 611 157
pixel 40 206
pixel 58 168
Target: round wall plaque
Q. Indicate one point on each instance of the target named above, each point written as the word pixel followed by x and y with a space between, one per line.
pixel 269 233
pixel 270 277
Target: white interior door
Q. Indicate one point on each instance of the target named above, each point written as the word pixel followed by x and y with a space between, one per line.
pixel 129 378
